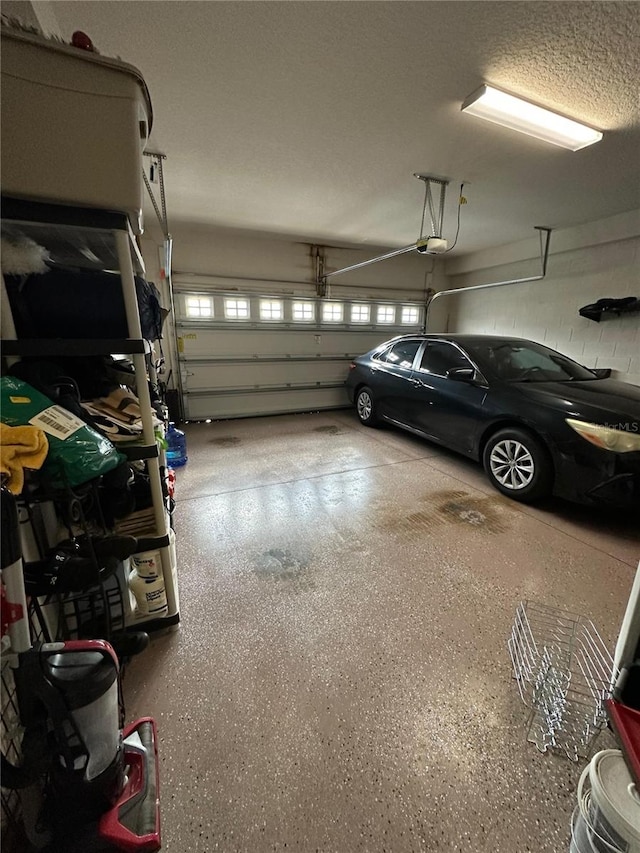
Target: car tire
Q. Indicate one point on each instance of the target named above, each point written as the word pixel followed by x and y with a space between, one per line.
pixel 518 465
pixel 366 408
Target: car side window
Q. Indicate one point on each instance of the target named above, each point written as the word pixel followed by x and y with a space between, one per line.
pixel 401 354
pixel 440 356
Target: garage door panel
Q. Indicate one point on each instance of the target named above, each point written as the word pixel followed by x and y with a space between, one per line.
pixel 243 353
pixel 242 342
pixel 248 404
pixel 261 373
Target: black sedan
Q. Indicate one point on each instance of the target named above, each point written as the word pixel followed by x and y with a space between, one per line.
pixel 539 422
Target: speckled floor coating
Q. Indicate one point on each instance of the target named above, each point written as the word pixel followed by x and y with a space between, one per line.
pixel 340 680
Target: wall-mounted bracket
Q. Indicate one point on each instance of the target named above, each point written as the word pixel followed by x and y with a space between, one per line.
pixel 317 254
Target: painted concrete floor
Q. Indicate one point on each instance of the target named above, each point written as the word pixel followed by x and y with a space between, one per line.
pixel 340 680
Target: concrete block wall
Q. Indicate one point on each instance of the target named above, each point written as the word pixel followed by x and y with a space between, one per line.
pixel 547 310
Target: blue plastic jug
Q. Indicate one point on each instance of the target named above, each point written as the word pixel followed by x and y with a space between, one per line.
pixel 177 447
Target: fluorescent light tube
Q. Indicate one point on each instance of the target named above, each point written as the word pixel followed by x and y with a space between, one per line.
pixel 516 114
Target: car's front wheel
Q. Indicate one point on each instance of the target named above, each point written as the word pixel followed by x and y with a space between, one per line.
pixel 518 465
pixel 365 407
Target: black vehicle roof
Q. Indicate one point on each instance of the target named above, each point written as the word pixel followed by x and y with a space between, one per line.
pixel 461 339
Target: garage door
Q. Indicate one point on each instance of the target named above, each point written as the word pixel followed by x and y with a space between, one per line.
pixel 244 353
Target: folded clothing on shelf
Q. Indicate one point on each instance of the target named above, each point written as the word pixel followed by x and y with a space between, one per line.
pixel 120 403
pixel 118 415
pixel 119 430
pixel 20 447
pixel 87 388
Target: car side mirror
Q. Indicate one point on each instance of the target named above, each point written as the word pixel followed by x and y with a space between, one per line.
pixel 462 374
pixel 601 372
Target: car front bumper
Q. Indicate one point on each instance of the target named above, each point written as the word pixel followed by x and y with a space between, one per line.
pixel 591 475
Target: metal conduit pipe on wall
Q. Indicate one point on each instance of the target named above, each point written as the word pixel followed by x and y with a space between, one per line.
pixel 544 256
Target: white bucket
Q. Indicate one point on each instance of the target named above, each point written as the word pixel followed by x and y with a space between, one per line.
pixel 607 817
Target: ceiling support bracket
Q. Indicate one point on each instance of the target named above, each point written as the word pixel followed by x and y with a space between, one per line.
pixel 437 220
pixel 421 243
pixel 156 173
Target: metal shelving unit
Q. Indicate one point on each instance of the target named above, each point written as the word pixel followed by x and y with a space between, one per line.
pixel 98 240
pixel 75 125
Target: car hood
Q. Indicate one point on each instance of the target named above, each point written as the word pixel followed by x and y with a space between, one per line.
pixel 597 399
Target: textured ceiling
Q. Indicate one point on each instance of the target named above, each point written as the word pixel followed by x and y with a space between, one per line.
pixel 310 118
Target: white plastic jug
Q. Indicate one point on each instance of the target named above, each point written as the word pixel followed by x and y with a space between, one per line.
pixel 146 582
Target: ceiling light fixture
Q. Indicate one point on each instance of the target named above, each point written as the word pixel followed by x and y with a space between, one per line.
pixel 501 108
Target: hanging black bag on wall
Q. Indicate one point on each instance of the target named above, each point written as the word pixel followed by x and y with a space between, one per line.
pixel 610 308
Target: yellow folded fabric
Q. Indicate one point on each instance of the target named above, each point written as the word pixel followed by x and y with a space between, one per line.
pixel 20 447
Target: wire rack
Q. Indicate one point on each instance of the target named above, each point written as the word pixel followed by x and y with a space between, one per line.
pixel 564 673
pixel 95 612
pixel 11 737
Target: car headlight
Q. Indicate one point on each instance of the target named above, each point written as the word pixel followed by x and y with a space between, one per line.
pixel 608 437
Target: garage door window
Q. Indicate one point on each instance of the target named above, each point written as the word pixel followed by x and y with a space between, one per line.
pixel 303 312
pixel 360 313
pixel 236 309
pixel 271 309
pixel 386 314
pixel 332 312
pixel 410 315
pixel 199 306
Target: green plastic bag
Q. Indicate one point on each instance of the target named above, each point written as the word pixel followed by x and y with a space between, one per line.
pixel 77 452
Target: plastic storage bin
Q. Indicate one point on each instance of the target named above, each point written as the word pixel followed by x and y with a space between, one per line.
pixel 607 817
pixel 74 125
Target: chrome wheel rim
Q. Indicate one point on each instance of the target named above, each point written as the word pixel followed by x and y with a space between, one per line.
pixel 364 406
pixel 512 464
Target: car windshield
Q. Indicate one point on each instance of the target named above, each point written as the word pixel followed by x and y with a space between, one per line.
pixel 524 361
